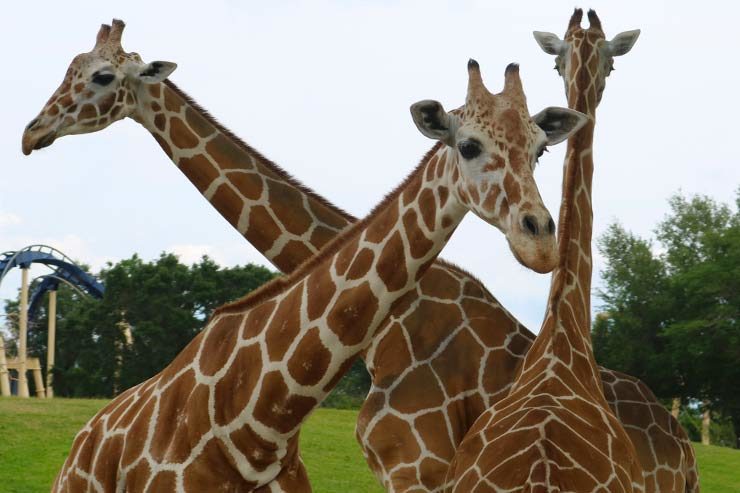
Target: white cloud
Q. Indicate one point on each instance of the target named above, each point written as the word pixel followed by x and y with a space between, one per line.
pixel 9 219
pixel 191 254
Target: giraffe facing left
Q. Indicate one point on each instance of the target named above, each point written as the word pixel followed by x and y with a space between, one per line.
pixel 225 414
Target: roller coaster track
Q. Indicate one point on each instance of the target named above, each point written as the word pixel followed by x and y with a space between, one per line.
pixel 62 267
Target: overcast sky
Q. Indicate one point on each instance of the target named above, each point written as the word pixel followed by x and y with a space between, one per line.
pixel 323 88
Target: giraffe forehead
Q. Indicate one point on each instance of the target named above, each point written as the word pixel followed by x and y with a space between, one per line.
pixel 588 36
pixel 507 121
pixel 85 62
pixel 494 110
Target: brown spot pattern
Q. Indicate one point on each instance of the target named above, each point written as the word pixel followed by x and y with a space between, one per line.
pixel 351 315
pixel 310 360
pixel 263 231
pixel 233 391
pixel 219 337
pixel 391 267
pixel 278 409
pixel 199 171
pixel 180 135
pixel 284 326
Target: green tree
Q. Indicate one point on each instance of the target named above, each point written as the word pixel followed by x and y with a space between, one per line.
pixel 671 319
pixel 163 304
pixel 628 335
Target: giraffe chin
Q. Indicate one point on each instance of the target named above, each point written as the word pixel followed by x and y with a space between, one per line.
pixel 536 259
pixel 30 143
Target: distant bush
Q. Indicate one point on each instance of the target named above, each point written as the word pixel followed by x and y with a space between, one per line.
pixel 351 390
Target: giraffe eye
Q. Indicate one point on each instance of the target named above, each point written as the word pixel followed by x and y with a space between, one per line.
pixel 542 150
pixel 102 79
pixel 469 149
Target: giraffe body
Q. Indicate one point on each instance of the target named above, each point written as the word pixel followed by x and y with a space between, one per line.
pixel 449 332
pixel 225 414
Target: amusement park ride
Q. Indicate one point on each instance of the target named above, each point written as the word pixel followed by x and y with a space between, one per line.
pixel 63 270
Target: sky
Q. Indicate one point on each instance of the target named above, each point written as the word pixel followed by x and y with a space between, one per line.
pixel 323 89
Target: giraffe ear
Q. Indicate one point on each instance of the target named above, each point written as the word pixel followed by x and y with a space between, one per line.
pixel 434 122
pixel 622 43
pixel 549 42
pixel 155 72
pixel 559 123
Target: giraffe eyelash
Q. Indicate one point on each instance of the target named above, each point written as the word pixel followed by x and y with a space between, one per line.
pixel 543 150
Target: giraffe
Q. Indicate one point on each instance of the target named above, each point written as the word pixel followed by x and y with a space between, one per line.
pixel 663 447
pixel 448 351
pixel 225 414
pixel 555 430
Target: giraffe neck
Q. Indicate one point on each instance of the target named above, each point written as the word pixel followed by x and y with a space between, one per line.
pixel 313 323
pixel 285 221
pixel 565 337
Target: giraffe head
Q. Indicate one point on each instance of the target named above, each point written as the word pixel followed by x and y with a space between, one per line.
pixel 99 88
pixel 585 53
pixel 493 146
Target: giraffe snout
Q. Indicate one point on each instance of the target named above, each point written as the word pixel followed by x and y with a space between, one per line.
pixel 538 227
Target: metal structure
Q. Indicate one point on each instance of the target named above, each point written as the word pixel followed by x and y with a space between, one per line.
pixel 63 270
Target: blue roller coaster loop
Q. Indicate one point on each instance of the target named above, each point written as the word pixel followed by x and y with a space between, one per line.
pixel 63 270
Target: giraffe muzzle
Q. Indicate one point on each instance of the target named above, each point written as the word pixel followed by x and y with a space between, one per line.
pixel 532 226
pixel 35 140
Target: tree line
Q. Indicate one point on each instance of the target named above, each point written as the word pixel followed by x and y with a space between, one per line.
pixel 671 307
pixel 668 315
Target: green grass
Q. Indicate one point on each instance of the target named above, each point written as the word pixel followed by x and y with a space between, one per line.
pixel 35 436
pixel 719 468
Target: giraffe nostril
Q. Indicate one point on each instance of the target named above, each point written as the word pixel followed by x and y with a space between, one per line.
pixel 529 223
pixel 551 226
pixel 32 124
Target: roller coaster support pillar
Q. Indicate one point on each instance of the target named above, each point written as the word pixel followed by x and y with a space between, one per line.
pixel 50 343
pixel 4 379
pixel 38 381
pixel 23 335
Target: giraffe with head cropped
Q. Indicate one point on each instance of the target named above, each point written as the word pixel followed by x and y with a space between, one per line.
pixel 555 430
pixel 448 351
pixel 225 414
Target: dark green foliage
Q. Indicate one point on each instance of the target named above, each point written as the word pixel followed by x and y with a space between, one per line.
pixel 721 430
pixel 672 319
pixel 351 390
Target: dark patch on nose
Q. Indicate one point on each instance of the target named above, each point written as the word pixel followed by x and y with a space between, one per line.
pixel 551 226
pixel 473 64
pixel 32 124
pixel 529 223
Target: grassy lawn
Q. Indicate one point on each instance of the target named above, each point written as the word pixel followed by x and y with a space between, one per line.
pixel 35 436
pixel 719 468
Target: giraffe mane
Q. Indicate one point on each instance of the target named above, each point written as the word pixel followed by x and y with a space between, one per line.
pixel 279 285
pixel 284 175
